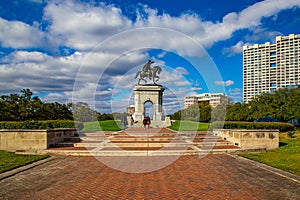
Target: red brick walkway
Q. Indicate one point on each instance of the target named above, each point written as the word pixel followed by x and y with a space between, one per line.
pixel 212 177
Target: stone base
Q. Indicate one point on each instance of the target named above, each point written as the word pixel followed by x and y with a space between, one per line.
pixel 148 93
pixel 250 139
pixel 154 123
pixel 23 139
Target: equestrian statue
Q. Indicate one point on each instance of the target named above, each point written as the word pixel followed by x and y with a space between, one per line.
pixel 148 72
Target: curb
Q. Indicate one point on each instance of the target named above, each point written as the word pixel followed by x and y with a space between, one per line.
pixel 12 172
pixel 278 172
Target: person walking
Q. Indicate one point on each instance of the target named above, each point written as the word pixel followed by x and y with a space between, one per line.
pixel 145 122
pixel 148 121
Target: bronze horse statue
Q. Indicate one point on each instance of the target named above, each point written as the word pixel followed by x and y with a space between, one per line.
pixel 151 74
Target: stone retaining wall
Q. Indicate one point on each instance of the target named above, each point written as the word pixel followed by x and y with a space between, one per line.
pixel 24 139
pixel 250 139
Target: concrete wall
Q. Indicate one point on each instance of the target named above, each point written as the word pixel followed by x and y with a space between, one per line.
pixel 250 139
pixel 23 139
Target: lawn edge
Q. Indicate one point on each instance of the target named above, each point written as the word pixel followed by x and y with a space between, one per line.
pixel 15 171
pixel 279 172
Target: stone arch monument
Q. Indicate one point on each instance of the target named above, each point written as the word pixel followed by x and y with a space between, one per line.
pixel 149 93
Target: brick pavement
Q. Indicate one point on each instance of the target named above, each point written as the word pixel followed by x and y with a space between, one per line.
pixel 211 177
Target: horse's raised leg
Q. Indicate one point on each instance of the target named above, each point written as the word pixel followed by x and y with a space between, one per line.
pixel 140 80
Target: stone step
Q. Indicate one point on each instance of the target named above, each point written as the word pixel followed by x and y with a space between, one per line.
pixel 93 138
pixel 109 144
pixel 99 134
pixel 158 138
pixel 145 135
pixel 148 144
pixel 142 142
pixel 115 152
pixel 81 151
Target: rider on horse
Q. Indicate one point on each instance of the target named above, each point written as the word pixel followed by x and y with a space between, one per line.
pixel 148 72
pixel 147 68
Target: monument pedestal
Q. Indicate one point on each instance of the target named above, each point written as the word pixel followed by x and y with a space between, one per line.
pixel 148 93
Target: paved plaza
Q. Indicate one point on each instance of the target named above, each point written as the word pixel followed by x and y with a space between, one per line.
pixel 218 176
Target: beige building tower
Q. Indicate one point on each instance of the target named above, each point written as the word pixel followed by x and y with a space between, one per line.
pixel 268 67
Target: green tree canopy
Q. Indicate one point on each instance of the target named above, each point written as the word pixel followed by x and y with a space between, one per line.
pixel 283 104
pixel 24 106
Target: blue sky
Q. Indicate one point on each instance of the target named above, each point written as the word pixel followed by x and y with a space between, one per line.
pixel 91 50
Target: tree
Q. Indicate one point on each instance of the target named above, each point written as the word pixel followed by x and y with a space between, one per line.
pixel 104 116
pixel 196 112
pixel 82 112
pixel 176 115
pixel 283 105
pixel 218 113
pixel 24 106
pixel 205 111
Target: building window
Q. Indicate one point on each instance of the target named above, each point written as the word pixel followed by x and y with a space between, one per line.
pixel 273 84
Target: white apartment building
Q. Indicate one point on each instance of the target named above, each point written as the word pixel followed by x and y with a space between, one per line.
pixel 214 99
pixel 268 67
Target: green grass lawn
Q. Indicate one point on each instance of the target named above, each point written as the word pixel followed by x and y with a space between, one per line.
pixel 286 157
pixel 108 125
pixel 9 161
pixel 189 126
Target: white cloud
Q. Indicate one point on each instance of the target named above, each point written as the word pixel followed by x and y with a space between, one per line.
pixel 84 26
pixel 37 71
pixel 236 94
pixel 224 83
pixel 236 49
pixel 255 35
pixel 235 91
pixel 173 99
pixel 173 79
pixel 57 97
pixel 182 70
pixel 161 55
pixel 26 57
pixel 196 89
pixel 37 1
pixel 126 81
pixel 249 18
pixel 207 32
pixel 16 34
pixel 261 34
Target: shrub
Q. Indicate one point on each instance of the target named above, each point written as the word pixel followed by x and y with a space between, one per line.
pixel 281 126
pixel 40 124
pixel 291 134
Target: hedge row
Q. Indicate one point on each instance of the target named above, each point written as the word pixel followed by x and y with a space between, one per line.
pixel 40 124
pixel 281 126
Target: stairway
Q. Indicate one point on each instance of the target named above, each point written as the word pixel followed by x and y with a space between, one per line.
pixel 143 142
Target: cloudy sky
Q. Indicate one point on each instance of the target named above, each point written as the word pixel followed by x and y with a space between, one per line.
pixel 90 51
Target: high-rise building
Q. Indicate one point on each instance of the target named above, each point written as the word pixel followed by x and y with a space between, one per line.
pixel 268 67
pixel 213 99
